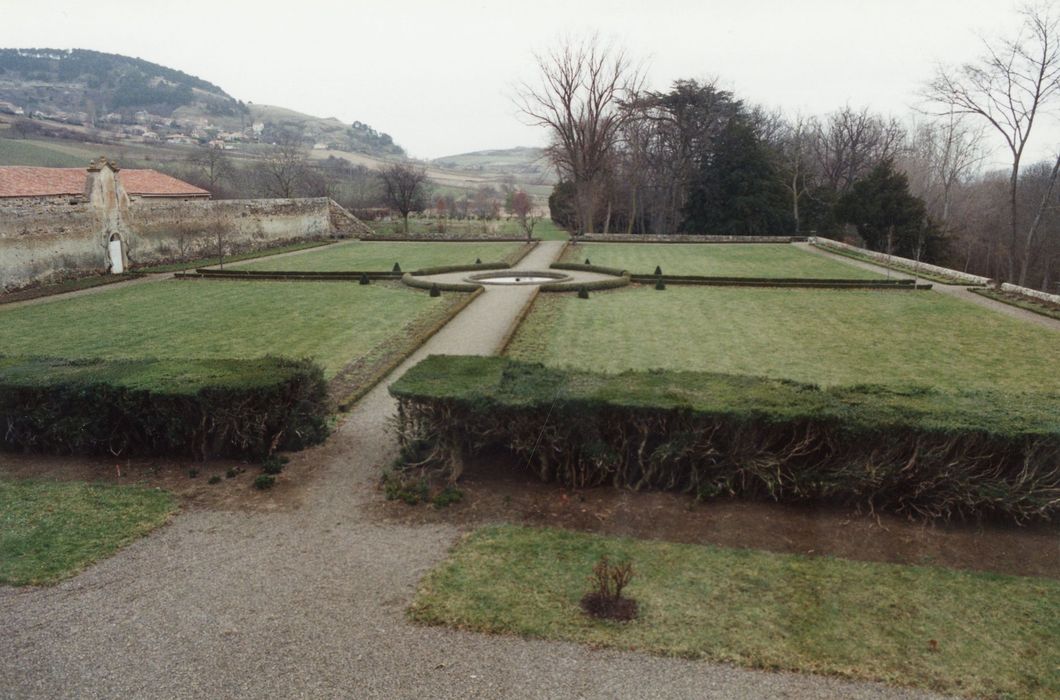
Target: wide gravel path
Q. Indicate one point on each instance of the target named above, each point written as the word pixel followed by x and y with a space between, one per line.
pixel 310 602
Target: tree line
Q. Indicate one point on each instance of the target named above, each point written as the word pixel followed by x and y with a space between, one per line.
pixel 697 159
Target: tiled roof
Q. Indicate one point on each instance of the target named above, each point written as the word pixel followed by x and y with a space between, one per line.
pixel 22 181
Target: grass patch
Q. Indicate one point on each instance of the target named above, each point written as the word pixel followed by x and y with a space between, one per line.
pixel 330 322
pixel 51 530
pixel 1020 301
pixel 825 337
pixel 381 255
pixel 996 636
pixel 544 229
pixel 249 255
pixel 715 260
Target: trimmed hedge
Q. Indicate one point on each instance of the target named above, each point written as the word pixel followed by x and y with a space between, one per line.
pixel 195 408
pixel 412 281
pixel 808 282
pixel 915 451
pixel 579 267
pixel 444 269
pixel 267 274
pixel 595 285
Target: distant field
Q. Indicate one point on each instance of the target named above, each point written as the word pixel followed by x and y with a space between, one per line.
pixel 331 322
pixel 24 152
pixel 715 260
pixel 381 255
pixel 544 229
pixel 826 337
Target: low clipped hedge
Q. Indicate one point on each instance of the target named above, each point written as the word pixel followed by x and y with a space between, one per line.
pixel 808 282
pixel 915 451
pixel 445 269
pixel 416 283
pixel 194 408
pixel 595 285
pixel 271 274
pixel 580 267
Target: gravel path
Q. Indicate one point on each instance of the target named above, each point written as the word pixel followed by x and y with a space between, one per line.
pixel 310 602
pixel 957 291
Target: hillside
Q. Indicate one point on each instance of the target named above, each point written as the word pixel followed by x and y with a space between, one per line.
pixel 524 162
pixel 118 98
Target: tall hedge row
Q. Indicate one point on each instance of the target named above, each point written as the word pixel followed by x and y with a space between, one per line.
pixel 915 451
pixel 194 408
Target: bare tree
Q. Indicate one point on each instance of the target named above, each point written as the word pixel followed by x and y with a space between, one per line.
pixel 213 165
pixel 582 84
pixel 405 188
pixel 941 155
pixel 523 208
pixel 1008 87
pixel 285 166
pixel 796 164
pixel 849 143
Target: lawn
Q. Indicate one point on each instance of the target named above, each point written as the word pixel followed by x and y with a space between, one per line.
pixel 331 322
pixel 380 256
pixel 952 631
pixel 715 260
pixel 52 530
pixel 826 337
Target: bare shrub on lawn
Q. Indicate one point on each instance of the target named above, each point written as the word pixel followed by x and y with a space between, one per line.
pixel 607 582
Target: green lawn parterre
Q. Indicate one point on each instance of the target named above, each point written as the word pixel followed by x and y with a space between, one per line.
pixel 825 337
pixel 715 260
pixel 967 633
pixel 380 256
pixel 52 530
pixel 330 322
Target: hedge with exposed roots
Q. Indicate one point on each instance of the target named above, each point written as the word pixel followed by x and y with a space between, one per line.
pixel 194 408
pixel 915 451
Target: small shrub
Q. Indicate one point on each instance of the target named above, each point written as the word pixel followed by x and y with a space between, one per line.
pixel 231 473
pixel 192 473
pixel 583 292
pixel 411 491
pixel 588 262
pixel 658 270
pixel 215 479
pixel 659 284
pixel 478 261
pixel 397 268
pixel 264 481
pixel 604 599
pixel 364 279
pixel 435 291
pixel 447 497
pixel 274 464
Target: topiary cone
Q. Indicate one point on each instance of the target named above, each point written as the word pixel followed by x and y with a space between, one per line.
pixel 658 270
pixel 659 284
pixel 397 268
pixel 435 291
pixel 583 292
pixel 587 261
pixel 364 278
pixel 478 261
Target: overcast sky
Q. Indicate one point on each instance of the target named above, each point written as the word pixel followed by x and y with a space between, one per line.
pixel 438 76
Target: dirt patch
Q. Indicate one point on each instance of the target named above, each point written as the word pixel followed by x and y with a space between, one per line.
pixel 494 492
pixel 187 479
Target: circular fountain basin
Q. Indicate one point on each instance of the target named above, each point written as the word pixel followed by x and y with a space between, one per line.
pixel 511 277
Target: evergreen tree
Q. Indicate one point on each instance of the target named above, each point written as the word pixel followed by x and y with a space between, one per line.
pixel 888 216
pixel 562 205
pixel 737 190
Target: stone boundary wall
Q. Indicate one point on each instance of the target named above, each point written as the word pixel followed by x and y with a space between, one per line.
pixel 44 241
pixel 959 277
pixel 643 238
pixel 1024 291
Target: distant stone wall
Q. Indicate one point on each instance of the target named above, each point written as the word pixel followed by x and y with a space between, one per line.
pixel 957 276
pixel 42 241
pixel 1043 296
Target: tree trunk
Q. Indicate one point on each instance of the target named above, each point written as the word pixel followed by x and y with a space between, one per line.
pixel 607 219
pixel 1033 231
pixel 632 210
pixel 1013 185
pixel 406 217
